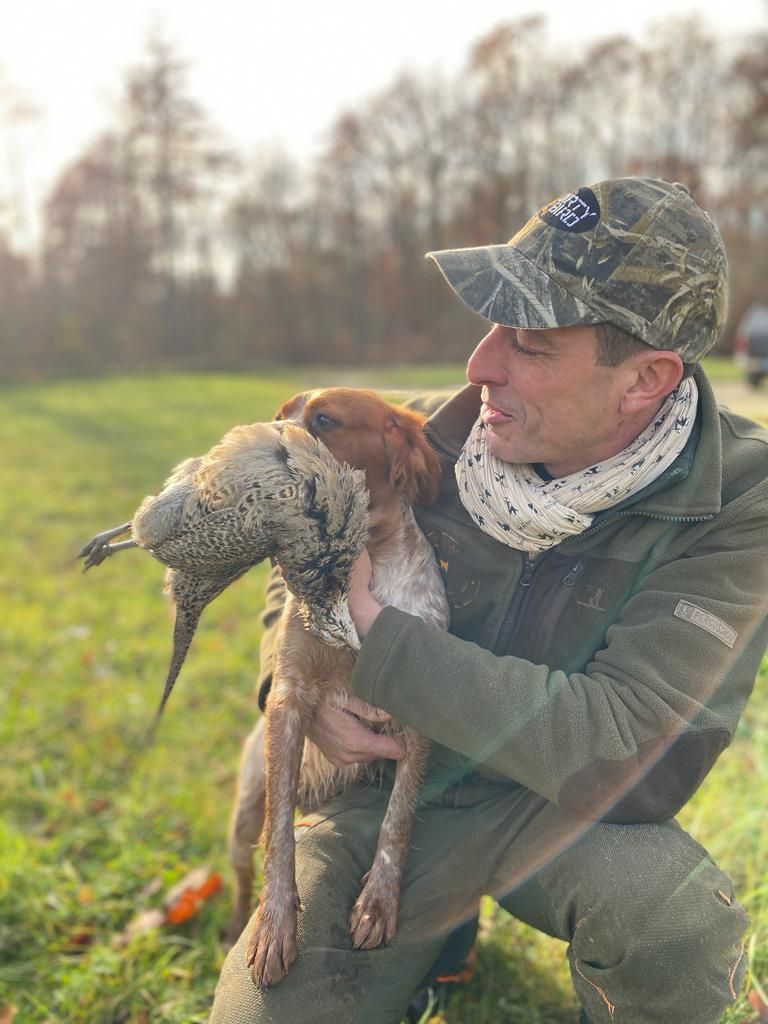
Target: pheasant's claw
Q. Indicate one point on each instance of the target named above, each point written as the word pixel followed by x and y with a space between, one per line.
pixel 95 555
pixel 99 548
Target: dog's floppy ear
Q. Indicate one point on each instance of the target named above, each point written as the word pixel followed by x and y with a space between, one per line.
pixel 414 466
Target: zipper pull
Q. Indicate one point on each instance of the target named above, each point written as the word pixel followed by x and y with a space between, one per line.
pixel 573 574
pixel 528 570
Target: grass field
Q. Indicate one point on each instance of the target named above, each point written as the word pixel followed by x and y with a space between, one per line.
pixel 96 825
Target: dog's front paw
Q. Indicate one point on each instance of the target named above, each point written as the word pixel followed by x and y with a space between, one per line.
pixel 272 946
pixel 373 920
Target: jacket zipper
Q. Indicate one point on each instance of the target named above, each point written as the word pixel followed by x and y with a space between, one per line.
pixel 648 515
pixel 512 617
pixel 559 599
pixel 573 574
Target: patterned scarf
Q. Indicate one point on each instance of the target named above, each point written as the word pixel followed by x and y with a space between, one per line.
pixel 512 503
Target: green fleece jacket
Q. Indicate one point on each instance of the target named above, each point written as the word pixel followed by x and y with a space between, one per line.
pixel 608 673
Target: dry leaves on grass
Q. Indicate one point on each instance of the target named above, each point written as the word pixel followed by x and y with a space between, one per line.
pixel 757 1002
pixel 184 899
pixel 179 904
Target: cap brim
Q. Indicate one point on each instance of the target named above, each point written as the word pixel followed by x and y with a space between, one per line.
pixel 505 287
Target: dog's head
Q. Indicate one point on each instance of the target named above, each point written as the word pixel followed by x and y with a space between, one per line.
pixel 366 432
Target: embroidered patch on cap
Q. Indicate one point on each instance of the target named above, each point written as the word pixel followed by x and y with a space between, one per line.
pixel 577 211
pixel 692 613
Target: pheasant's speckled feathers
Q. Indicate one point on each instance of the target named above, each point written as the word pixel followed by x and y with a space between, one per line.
pixel 266 490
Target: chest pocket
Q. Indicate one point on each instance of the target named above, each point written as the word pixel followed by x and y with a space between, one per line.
pixel 480 574
pixel 572 607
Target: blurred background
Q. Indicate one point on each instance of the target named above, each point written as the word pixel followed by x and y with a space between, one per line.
pixel 257 184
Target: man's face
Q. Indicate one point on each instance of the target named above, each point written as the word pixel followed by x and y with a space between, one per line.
pixel 545 399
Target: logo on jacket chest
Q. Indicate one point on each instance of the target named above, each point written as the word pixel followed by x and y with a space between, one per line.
pixel 592 598
pixel 461 586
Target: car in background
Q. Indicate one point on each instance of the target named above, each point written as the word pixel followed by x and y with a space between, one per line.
pixel 750 344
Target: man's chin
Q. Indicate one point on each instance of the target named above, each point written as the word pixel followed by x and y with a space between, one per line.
pixel 502 448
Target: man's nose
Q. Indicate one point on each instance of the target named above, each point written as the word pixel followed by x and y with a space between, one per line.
pixel 486 365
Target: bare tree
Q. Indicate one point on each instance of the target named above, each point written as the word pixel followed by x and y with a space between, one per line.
pixel 150 257
pixel 17 112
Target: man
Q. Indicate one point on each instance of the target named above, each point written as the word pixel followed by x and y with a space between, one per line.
pixel 602 531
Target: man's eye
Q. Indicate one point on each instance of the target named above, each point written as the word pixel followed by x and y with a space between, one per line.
pixel 524 351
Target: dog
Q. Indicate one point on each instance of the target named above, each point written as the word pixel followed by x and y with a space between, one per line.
pixel 279 770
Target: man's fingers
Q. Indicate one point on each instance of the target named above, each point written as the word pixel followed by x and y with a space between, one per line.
pixel 366 711
pixel 388 747
pixel 365 745
pixel 345 739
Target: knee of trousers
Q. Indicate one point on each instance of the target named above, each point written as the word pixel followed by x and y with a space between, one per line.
pixel 665 938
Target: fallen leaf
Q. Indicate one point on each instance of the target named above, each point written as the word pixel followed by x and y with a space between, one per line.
pixel 71 797
pixel 79 940
pixel 7 1013
pixel 757 1002
pixel 153 886
pixel 85 895
pixel 184 899
pixel 181 902
pixel 144 921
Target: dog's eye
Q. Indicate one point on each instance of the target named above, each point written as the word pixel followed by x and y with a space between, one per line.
pixel 322 422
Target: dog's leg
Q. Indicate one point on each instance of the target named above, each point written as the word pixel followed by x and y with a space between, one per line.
pixel 374 915
pixel 272 947
pixel 245 827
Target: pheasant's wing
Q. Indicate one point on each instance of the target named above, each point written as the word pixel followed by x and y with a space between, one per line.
pixel 214 543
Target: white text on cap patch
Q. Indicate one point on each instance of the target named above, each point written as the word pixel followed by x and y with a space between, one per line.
pixel 576 211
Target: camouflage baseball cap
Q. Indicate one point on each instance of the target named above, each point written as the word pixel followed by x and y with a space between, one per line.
pixel 635 252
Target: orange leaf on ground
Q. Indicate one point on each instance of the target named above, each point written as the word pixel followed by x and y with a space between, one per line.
pixel 758 1004
pixel 7 1013
pixel 180 903
pixel 184 899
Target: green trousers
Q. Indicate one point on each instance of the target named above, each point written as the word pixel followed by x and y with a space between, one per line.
pixel 653 929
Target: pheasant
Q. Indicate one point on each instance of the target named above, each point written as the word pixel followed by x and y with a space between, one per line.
pixel 266 490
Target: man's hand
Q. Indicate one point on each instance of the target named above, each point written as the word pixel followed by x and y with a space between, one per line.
pixel 345 739
pixel 363 606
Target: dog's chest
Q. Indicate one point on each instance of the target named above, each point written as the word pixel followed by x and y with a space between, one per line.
pixel 408 578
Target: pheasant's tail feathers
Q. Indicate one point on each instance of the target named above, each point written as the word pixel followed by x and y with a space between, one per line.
pixel 191 595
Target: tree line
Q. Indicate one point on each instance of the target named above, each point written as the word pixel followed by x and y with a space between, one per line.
pixel 161 247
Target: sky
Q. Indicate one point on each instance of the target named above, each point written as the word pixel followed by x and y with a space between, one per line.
pixel 269 71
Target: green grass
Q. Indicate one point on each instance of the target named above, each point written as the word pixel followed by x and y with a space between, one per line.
pixel 92 816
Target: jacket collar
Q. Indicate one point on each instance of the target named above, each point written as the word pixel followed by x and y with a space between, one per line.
pixel 697 473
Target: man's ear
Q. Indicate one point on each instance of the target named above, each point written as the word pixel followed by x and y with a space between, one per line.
pixel 652 376
pixel 414 465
